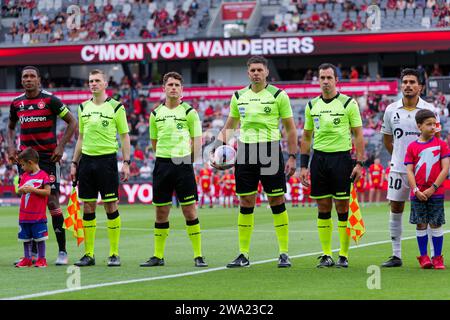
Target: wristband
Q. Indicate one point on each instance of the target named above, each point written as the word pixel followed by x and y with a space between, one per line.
pixel 304 161
pixel 75 163
pixel 360 162
pixel 126 161
pixel 292 155
pixel 435 187
pixel 415 190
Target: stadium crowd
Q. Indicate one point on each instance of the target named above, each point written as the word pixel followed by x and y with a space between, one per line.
pixel 108 20
pixel 321 15
pixel 45 21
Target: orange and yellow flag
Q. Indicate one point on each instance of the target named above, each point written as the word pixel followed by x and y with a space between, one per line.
pixel 355 222
pixel 73 220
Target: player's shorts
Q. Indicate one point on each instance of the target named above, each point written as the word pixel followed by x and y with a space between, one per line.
pixel 330 175
pixel 53 169
pixel 169 177
pixel 98 174
pixel 227 192
pixel 377 185
pixel 361 187
pixel 424 212
pixel 260 162
pixel 398 187
pixel 206 189
pixel 33 231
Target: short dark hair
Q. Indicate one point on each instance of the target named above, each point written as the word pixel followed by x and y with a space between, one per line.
pixel 32 68
pixel 29 154
pixel 423 115
pixel 325 66
pixel 257 59
pixel 174 75
pixel 410 72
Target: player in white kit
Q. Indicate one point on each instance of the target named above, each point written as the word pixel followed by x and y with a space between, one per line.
pixel 399 130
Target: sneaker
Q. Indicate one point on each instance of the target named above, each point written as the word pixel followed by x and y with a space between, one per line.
pixel 41 263
pixel 24 263
pixel 33 258
pixel 438 262
pixel 62 259
pixel 283 261
pixel 325 261
pixel 342 262
pixel 113 261
pixel 240 261
pixel 200 262
pixel 85 261
pixel 393 262
pixel 153 262
pixel 425 262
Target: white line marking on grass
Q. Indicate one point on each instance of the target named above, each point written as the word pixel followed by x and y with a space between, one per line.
pixel 235 230
pixel 179 275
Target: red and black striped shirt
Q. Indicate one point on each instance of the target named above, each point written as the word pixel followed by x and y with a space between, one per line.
pixel 37 117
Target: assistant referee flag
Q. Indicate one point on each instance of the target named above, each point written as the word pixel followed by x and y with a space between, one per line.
pixel 355 222
pixel 72 220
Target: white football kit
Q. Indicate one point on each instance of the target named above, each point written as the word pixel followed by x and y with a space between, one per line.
pixel 401 124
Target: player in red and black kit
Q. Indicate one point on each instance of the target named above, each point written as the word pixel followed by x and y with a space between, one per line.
pixel 37 110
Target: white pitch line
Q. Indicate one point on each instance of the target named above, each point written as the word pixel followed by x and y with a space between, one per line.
pixel 235 230
pixel 179 275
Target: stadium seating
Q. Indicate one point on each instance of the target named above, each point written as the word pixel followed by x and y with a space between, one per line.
pixel 118 20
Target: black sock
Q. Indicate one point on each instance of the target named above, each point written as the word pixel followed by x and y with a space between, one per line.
pixel 60 232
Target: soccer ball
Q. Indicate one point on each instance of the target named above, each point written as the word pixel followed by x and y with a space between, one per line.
pixel 224 157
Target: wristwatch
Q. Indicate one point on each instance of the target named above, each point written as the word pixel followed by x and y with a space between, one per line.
pixel 292 155
pixel 415 190
pixel 127 162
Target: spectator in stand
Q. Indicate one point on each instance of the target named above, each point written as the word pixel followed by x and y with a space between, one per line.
pixel 410 4
pixel 291 26
pixel 401 4
pixel 272 26
pixel 437 71
pixel 134 170
pixel 347 24
pixel 138 154
pixel 359 25
pixel 145 172
pixel 308 75
pixel 282 28
pixel 391 5
pixel 354 74
pixel 431 4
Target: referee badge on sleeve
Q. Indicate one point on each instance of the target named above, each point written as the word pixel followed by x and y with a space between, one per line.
pixel 316 122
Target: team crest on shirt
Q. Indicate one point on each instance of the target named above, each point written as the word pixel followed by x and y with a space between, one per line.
pixel 105 123
pixel 179 126
pixel 336 121
pixel 41 104
pixel 51 178
pixel 267 110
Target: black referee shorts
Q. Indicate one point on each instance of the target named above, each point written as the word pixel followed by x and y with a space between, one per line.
pixel 53 169
pixel 170 176
pixel 330 175
pixel 98 174
pixel 260 162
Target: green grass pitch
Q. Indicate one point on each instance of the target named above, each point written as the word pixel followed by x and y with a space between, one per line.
pixel 179 279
